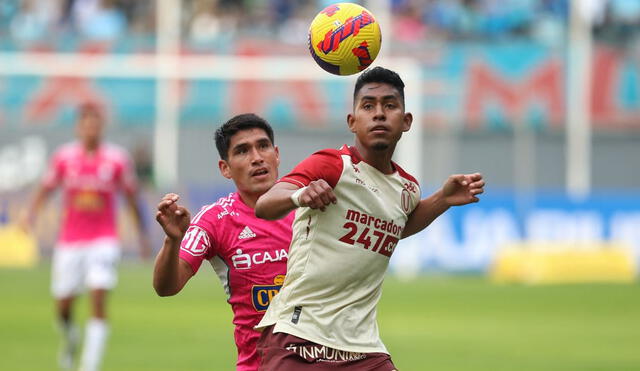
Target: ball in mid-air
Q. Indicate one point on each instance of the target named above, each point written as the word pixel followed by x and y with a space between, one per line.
pixel 344 38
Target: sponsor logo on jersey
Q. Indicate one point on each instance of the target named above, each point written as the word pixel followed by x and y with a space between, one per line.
pixel 261 295
pixel 246 261
pixel 320 353
pixel 362 183
pixel 246 233
pixel 226 203
pixel 370 233
pixel 195 241
pixel 372 221
pixel 87 200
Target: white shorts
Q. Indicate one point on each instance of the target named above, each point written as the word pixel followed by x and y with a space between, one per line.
pixel 91 264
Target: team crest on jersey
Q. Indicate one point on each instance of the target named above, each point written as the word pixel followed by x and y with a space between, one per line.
pixel 105 171
pixel 195 241
pixel 405 200
pixel 261 295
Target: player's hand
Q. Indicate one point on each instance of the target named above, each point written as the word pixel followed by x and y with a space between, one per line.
pixel 173 218
pixel 462 189
pixel 317 195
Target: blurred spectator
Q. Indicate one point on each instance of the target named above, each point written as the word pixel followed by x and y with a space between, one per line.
pixel 98 19
pixel 207 24
pixel 8 11
pixel 624 20
pixel 408 26
pixel 34 20
pixel 413 21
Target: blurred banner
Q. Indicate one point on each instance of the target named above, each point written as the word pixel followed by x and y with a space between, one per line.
pixel 464 239
pixel 468 239
pixel 470 86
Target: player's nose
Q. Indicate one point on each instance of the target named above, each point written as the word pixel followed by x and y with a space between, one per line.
pixel 256 156
pixel 379 113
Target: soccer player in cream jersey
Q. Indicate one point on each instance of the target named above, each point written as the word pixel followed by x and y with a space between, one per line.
pixel 248 254
pixel 353 205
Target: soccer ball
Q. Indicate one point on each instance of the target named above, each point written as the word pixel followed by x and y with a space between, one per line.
pixel 344 38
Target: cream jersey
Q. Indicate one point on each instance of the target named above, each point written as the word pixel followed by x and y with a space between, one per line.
pixel 338 258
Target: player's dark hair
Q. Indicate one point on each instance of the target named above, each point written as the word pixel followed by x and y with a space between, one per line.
pixel 238 123
pixel 379 75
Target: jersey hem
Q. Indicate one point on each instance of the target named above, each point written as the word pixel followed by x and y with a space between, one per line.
pixel 281 327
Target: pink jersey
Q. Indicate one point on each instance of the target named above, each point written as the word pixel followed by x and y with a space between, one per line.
pixel 249 256
pixel 89 182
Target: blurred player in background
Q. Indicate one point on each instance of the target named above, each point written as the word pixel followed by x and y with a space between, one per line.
pixel 90 173
pixel 248 254
pixel 355 204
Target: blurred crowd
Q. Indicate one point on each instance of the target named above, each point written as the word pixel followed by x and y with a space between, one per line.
pixel 287 20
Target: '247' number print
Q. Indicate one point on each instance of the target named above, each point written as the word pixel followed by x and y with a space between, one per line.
pixel 383 243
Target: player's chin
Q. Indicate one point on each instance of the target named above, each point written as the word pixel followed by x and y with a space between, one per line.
pixel 379 145
pixel 262 185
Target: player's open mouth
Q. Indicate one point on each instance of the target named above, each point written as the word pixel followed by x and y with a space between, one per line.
pixel 260 172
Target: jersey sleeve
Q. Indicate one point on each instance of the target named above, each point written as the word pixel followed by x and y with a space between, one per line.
pixel 326 164
pixel 197 245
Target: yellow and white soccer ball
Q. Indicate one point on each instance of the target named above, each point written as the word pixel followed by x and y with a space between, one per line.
pixel 344 38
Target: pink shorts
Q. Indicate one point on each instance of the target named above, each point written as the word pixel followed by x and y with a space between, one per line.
pixel 284 352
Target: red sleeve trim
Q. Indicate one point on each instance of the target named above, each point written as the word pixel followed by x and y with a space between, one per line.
pixel 325 164
pixel 404 174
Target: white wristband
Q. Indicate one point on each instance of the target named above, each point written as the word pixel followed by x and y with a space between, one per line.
pixel 295 196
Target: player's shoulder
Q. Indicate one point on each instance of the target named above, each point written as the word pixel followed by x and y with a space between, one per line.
pixel 222 207
pixel 403 174
pixel 334 154
pixel 329 152
pixel 68 150
pixel 114 151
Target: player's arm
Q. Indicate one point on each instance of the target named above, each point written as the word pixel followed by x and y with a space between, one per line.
pixel 134 203
pixel 38 200
pixel 284 197
pixel 171 273
pixel 50 181
pixel 459 189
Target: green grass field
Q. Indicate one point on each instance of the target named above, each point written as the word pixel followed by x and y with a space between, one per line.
pixel 434 323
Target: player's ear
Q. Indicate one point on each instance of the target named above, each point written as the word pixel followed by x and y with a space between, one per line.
pixel 407 121
pixel 277 154
pixel 224 169
pixel 351 122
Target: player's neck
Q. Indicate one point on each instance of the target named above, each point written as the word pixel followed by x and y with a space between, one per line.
pixel 380 160
pixel 249 199
pixel 90 147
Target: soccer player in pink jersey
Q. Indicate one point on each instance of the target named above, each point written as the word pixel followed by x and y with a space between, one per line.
pixel 90 173
pixel 352 206
pixel 248 254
